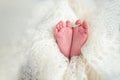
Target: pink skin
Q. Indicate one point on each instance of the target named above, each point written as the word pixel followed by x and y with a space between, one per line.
pixel 70 40
pixel 80 34
pixel 63 35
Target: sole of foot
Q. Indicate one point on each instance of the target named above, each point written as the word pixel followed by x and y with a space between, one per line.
pixel 80 35
pixel 63 34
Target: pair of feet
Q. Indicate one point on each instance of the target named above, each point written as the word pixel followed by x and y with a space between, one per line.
pixel 70 39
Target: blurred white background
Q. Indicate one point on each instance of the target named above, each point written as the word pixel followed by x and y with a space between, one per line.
pixel 16 19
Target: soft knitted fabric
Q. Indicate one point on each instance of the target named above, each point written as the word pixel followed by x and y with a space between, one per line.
pixel 100 60
pixel 38 57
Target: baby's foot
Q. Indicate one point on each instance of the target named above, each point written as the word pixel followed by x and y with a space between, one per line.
pixel 80 34
pixel 63 34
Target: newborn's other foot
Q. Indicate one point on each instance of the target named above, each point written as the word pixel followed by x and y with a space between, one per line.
pixel 63 34
pixel 80 34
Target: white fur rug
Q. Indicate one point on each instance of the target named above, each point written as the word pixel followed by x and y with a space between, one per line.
pixel 28 50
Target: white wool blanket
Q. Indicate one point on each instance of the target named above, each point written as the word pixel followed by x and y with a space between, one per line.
pixel 28 50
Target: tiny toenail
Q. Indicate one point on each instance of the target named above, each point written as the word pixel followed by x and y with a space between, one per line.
pixel 61 23
pixel 78 22
pixel 67 21
pixel 60 26
pixel 84 24
pixel 57 26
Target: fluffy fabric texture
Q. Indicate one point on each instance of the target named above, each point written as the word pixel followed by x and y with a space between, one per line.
pixel 37 56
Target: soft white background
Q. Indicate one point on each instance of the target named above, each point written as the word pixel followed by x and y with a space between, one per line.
pixel 20 18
